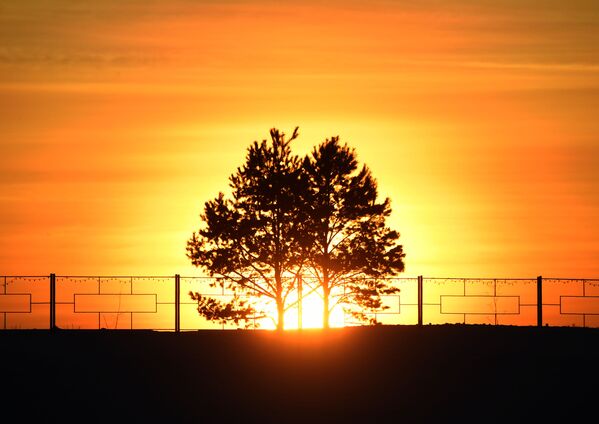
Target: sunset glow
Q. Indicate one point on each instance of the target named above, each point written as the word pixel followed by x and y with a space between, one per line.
pixel 118 120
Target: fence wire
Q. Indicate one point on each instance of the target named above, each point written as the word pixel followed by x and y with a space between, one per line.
pixel 163 302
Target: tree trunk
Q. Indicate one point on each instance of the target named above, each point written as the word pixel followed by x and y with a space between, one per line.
pixel 279 300
pixel 280 315
pixel 325 300
pixel 325 313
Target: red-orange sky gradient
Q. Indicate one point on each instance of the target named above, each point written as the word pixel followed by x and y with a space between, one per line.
pixel 118 120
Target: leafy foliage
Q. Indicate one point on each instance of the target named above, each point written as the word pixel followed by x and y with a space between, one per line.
pixel 237 310
pixel 348 227
pixel 255 239
pixel 363 298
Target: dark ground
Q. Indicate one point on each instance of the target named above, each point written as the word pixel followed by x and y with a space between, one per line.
pixel 408 374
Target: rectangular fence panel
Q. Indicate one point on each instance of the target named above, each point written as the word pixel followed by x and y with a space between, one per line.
pixel 479 301
pixel 480 305
pixel 115 303
pixel 402 308
pixel 569 302
pixel 133 303
pixel 10 303
pixel 24 302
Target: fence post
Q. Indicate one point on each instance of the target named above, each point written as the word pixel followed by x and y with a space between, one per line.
pixel 177 303
pixel 300 311
pixel 52 301
pixel 539 301
pixel 420 299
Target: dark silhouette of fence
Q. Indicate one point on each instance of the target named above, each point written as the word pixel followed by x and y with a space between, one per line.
pixel 155 302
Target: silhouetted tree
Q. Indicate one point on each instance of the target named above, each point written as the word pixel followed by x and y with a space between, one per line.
pixel 254 241
pixel 351 245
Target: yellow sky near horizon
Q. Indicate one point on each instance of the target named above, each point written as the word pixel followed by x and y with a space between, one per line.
pixel 119 120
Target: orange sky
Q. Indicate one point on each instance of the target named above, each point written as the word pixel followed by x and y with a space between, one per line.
pixel 478 118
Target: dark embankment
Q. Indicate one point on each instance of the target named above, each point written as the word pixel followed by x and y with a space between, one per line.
pixel 366 375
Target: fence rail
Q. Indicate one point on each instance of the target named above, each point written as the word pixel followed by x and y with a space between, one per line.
pixel 155 302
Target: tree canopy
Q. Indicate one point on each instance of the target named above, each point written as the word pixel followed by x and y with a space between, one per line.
pixel 287 216
pixel 352 246
pixel 254 240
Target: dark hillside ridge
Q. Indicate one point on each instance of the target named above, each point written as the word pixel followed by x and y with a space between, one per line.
pixel 448 373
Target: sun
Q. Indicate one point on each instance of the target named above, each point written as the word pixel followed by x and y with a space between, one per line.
pixel 307 315
pixel 312 314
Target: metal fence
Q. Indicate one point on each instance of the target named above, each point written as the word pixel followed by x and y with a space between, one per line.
pixel 154 302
